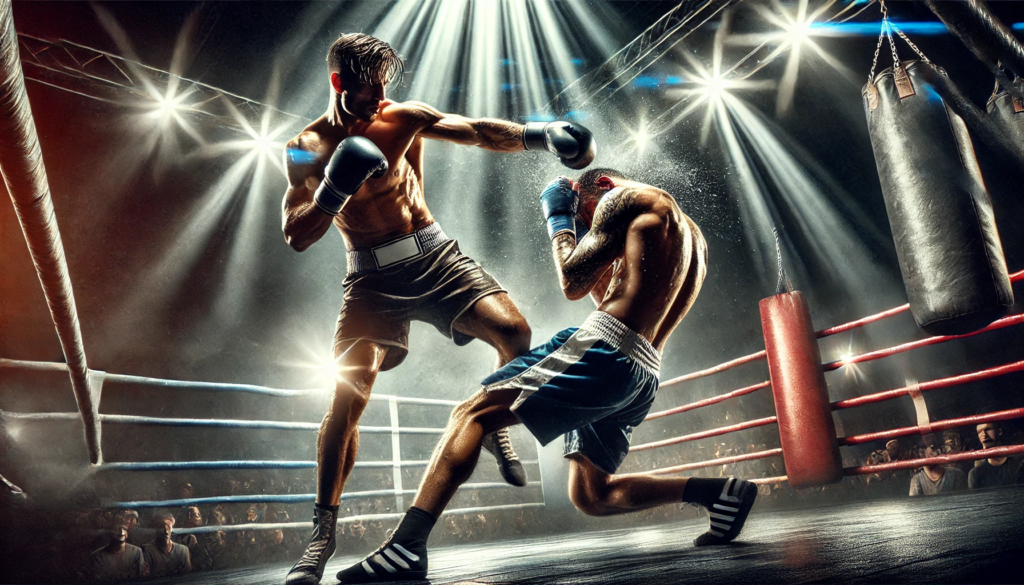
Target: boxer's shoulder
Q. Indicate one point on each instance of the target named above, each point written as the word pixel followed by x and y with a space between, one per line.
pixel 316 142
pixel 411 113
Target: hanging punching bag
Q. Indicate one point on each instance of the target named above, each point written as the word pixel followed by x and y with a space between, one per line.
pixel 939 211
pixel 1008 112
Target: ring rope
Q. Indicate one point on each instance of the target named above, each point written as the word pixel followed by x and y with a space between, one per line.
pixel 944 459
pixel 874 355
pixel 708 401
pixel 290 498
pixel 933 427
pixel 931 385
pixel 716 369
pixel 208 422
pixel 713 462
pixel 246 464
pixel 207 386
pixel 767 480
pixel 705 434
pixel 1015 277
pixel 357 518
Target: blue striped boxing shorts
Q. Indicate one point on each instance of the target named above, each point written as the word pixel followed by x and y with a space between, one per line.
pixel 593 384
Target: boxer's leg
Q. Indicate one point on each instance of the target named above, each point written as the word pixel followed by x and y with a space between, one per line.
pixel 496 320
pixel 598 493
pixel 403 556
pixel 456 454
pixel 337 444
pixel 338 438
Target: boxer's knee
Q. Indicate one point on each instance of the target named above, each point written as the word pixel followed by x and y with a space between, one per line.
pixel 512 337
pixel 593 491
pixel 590 501
pixel 356 369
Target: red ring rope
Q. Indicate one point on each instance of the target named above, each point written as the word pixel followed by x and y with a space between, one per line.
pixel 705 434
pixel 714 462
pixel 933 427
pixel 879 316
pixel 707 401
pixel 874 355
pixel 767 480
pixel 931 385
pixel 716 369
pixel 945 459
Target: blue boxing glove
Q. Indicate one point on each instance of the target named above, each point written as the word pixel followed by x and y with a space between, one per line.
pixel 559 203
pixel 355 160
pixel 572 143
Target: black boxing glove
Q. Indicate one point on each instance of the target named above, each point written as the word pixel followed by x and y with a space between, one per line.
pixel 571 142
pixel 355 160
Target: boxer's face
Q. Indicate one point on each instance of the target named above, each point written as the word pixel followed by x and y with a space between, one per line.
pixel 359 100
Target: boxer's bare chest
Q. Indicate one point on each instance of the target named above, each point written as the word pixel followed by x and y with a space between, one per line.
pixel 393 204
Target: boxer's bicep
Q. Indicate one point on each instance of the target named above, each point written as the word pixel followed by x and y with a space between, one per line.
pixel 583 266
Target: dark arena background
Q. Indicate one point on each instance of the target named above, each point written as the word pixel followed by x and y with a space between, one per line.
pixel 191 362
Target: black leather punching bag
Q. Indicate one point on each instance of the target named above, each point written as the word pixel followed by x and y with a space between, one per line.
pixel 939 211
pixel 1008 112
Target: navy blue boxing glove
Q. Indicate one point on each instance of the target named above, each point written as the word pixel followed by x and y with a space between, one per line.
pixel 355 160
pixel 571 142
pixel 559 203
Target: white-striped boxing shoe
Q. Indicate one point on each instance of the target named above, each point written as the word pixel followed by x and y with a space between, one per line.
pixel 728 512
pixel 391 562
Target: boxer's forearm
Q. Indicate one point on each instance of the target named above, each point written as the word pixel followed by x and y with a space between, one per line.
pixel 581 265
pixel 303 224
pixel 499 135
pixel 576 272
pixel 486 133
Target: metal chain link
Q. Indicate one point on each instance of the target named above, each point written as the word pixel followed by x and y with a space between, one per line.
pixel 896 63
pixel 911 43
pixel 874 62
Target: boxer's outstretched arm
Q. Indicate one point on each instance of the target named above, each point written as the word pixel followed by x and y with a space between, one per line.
pixel 487 133
pixel 581 264
pixel 303 222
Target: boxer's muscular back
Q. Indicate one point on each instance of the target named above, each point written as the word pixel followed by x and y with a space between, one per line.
pixel 655 279
pixel 382 208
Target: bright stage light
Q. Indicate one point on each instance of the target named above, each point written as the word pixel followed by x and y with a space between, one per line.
pixel 639 140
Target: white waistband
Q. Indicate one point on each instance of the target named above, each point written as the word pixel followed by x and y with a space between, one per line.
pixel 397 250
pixel 628 342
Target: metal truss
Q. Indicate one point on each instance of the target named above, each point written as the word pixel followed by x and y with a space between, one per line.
pixel 107 77
pixel 642 52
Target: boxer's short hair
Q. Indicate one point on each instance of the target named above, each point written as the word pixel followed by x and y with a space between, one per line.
pixel 588 180
pixel 360 57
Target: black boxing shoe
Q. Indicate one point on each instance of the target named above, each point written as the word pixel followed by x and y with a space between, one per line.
pixel 402 557
pixel 390 562
pixel 310 568
pixel 499 445
pixel 728 512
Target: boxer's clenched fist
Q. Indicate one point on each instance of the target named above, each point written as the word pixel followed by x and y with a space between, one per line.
pixel 571 142
pixel 559 202
pixel 355 160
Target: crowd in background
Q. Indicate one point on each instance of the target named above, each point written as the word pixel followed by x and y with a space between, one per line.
pixel 107 544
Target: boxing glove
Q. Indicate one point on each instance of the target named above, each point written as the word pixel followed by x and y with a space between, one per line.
pixel 571 142
pixel 355 160
pixel 559 202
